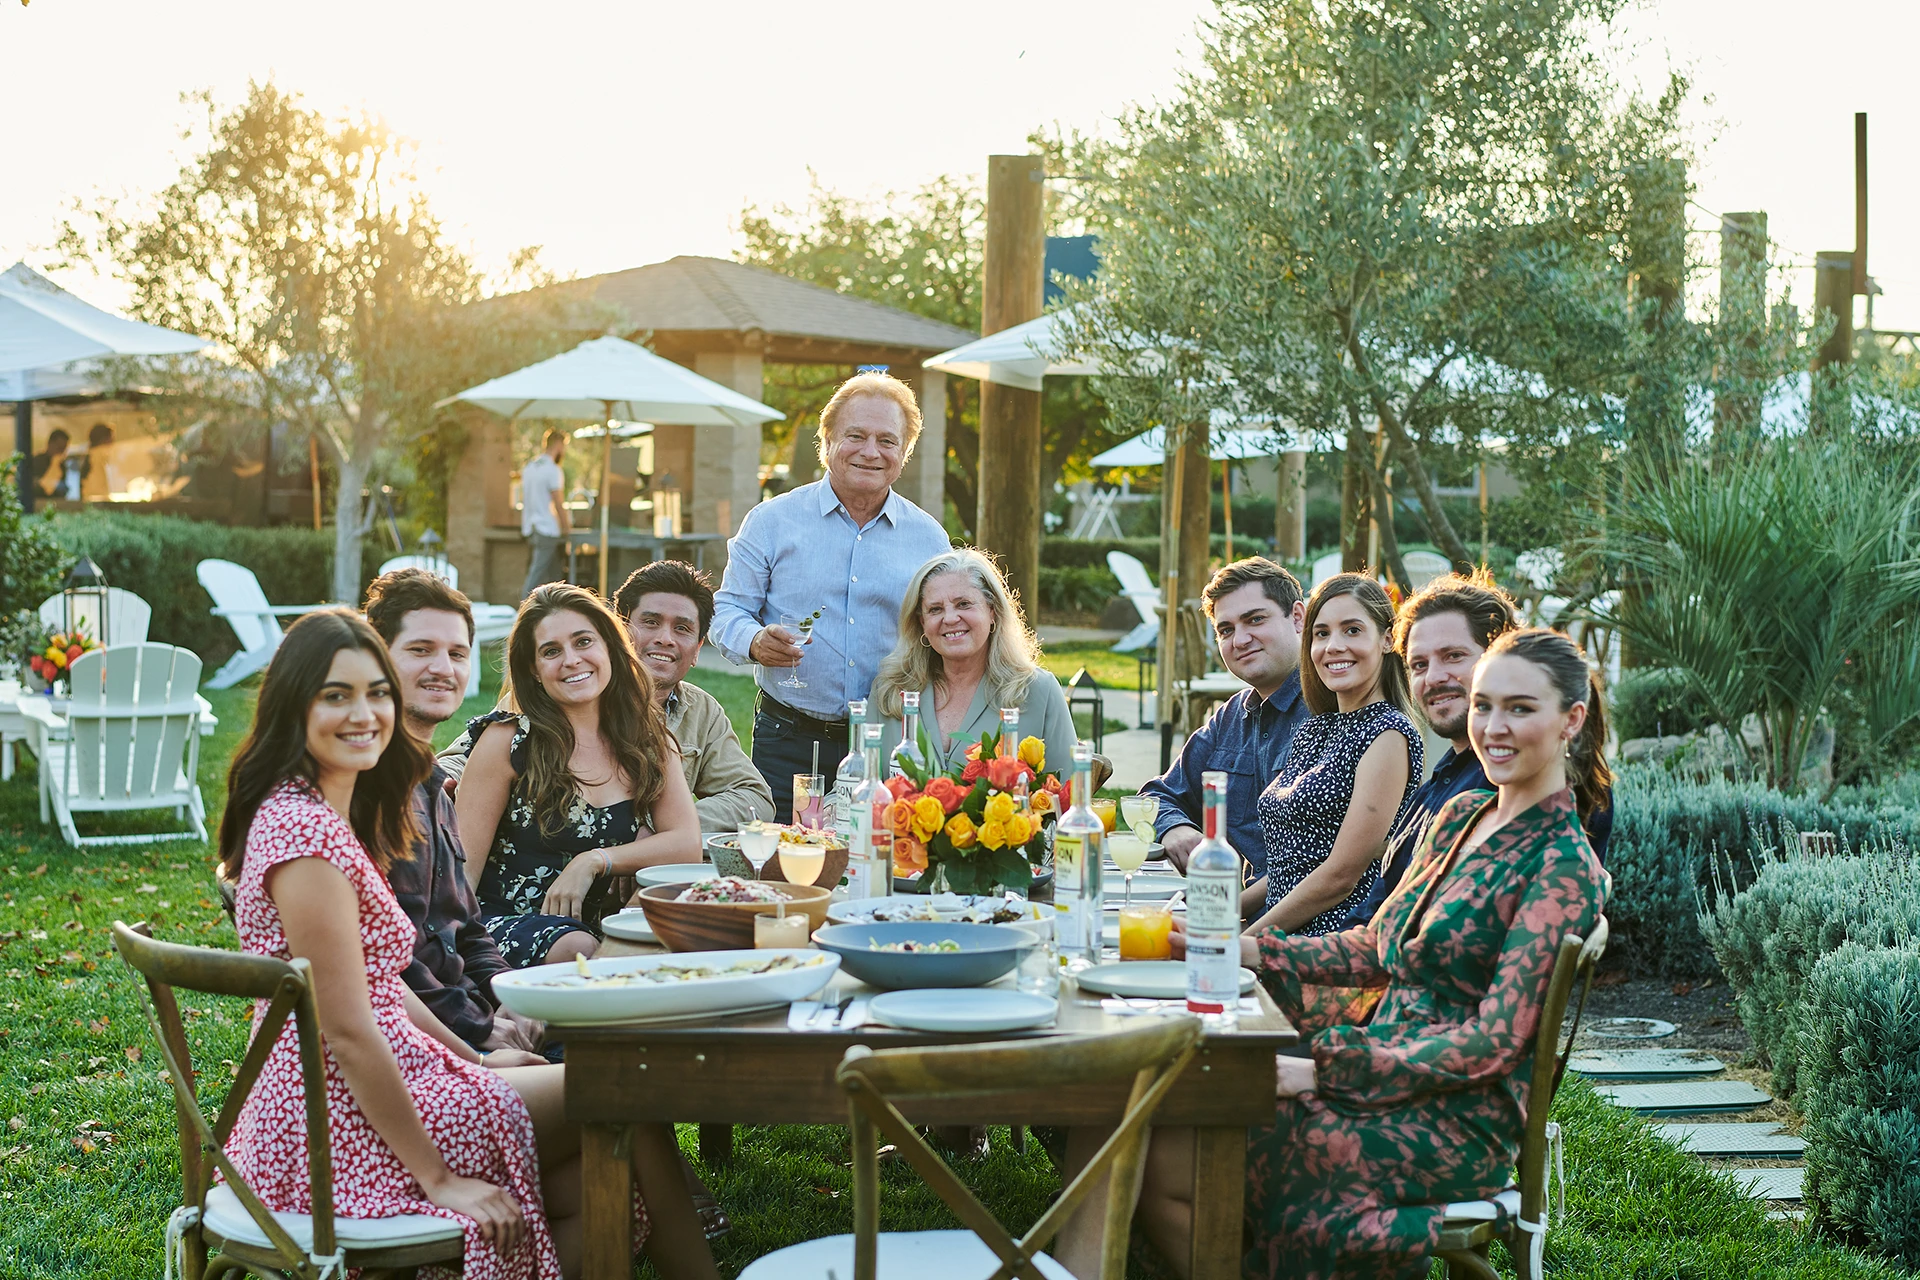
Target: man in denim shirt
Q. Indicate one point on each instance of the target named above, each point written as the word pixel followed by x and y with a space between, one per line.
pixel 1257 613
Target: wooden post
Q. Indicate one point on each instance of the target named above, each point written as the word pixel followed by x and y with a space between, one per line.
pixel 1196 514
pixel 23 445
pixel 1356 500
pixel 1013 284
pixel 1860 205
pixel 1226 502
pixel 601 499
pixel 313 473
pixel 1833 294
pixel 1290 509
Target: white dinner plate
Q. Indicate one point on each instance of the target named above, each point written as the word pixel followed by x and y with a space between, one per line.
pixel 964 1009
pixel 1148 886
pixel 553 993
pixel 675 873
pixel 629 925
pixel 1148 979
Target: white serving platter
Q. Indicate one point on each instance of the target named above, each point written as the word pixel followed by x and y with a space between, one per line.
pixel 553 993
pixel 1147 979
pixel 964 1009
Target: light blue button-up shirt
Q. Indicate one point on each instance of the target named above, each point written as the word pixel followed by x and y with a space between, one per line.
pixel 801 551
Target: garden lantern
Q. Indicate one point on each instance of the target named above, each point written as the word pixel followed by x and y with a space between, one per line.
pixel 83 604
pixel 1083 689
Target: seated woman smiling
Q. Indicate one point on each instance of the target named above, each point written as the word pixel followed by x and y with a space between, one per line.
pixel 578 785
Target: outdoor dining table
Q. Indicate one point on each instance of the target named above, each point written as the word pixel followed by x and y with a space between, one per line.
pixel 750 1068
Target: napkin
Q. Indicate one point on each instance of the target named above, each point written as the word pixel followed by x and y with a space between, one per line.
pixel 801 1013
pixel 1136 1005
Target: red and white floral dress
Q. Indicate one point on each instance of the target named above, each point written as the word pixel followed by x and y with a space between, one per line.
pixel 474 1117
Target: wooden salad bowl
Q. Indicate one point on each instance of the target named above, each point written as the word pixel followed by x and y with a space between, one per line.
pixel 724 926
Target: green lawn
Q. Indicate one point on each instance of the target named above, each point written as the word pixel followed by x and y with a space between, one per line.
pixel 89 1167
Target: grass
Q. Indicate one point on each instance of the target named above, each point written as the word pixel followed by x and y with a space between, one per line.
pixel 89 1165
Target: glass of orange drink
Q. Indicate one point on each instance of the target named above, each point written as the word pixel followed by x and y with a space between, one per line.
pixel 1108 811
pixel 1144 932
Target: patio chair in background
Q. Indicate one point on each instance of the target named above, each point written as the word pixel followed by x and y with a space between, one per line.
pixel 491 622
pixel 1323 568
pixel 237 597
pixel 129 740
pixel 1143 641
pixel 127 615
pixel 1518 1217
pixel 1154 1055
pixel 227 1219
pixel 1423 567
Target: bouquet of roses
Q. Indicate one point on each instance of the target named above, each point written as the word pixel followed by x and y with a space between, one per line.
pixel 970 824
pixel 50 653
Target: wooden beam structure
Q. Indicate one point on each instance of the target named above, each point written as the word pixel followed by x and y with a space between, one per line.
pixel 1010 505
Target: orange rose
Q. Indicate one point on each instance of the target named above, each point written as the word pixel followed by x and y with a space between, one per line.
pixel 909 857
pixel 1003 774
pixel 961 832
pixel 900 818
pixel 901 787
pixel 971 774
pixel 948 793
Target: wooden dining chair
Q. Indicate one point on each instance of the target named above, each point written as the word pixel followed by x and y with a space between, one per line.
pixel 1153 1053
pixel 1518 1217
pixel 222 1229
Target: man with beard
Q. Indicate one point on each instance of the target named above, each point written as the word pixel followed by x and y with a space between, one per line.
pixel 1440 634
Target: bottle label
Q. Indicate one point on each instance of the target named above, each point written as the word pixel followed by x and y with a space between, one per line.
pixel 1213 904
pixel 1067 862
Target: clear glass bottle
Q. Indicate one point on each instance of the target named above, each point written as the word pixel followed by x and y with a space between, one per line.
pixel 907 750
pixel 847 775
pixel 870 855
pixel 1213 913
pixel 1079 849
pixel 1010 750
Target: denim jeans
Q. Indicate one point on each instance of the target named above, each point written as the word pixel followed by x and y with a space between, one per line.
pixel 783 746
pixel 545 561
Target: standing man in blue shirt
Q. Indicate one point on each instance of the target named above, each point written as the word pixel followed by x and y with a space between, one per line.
pixel 845 546
pixel 1257 612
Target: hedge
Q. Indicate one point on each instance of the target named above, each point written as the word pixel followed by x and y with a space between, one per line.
pixel 1860 1068
pixel 1669 830
pixel 154 557
pixel 1655 701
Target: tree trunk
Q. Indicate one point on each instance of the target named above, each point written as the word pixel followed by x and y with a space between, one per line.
pixel 1355 496
pixel 1406 452
pixel 349 524
pixel 1389 537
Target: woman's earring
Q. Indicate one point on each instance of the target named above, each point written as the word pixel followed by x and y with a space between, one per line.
pixel 925 641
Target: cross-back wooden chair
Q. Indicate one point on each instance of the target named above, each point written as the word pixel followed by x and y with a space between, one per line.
pixel 222 1229
pixel 1518 1217
pixel 1154 1053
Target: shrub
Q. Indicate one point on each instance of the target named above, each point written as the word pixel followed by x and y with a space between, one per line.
pixel 1653 701
pixel 1860 1073
pixel 1770 935
pixel 1083 590
pixel 31 565
pixel 155 556
pixel 1669 830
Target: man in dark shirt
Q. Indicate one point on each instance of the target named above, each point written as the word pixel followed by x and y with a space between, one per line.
pixel 1257 613
pixel 428 627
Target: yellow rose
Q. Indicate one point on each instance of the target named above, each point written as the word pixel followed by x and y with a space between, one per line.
pixel 928 817
pixel 999 807
pixel 961 832
pixel 1034 752
pixel 994 835
pixel 1019 830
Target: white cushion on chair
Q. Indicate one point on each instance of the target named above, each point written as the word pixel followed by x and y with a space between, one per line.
pixel 914 1255
pixel 227 1218
pixel 1464 1211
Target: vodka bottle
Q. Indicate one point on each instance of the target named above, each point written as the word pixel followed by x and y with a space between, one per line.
pixel 1010 750
pixel 907 750
pixel 870 855
pixel 1079 846
pixel 847 775
pixel 1213 913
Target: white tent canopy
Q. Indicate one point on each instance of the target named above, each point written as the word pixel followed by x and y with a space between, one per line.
pixel 1017 357
pixel 49 338
pixel 1224 443
pixel 613 378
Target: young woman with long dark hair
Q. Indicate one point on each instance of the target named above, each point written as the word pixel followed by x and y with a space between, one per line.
pixel 319 805
pixel 577 784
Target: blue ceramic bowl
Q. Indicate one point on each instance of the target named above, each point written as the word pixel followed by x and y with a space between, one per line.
pixel 986 952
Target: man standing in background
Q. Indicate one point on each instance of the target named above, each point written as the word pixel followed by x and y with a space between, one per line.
pixel 544 521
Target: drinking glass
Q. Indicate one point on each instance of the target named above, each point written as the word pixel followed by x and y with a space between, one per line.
pixel 802 863
pixel 757 843
pixel 809 800
pixel 1128 851
pixel 802 629
pixel 1145 932
pixel 1038 970
pixel 770 930
pixel 1106 812
pixel 1139 813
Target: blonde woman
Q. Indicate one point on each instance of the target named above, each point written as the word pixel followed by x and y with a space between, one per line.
pixel 967 651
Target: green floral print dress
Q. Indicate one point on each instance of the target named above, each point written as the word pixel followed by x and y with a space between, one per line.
pixel 1423 1104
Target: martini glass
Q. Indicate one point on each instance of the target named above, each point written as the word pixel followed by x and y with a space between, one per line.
pixel 758 843
pixel 1128 851
pixel 1139 813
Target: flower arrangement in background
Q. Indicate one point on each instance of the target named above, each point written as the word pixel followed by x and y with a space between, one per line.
pixel 971 825
pixel 49 654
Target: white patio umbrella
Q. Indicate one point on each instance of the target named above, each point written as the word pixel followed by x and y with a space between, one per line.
pixel 1224 444
pixel 1018 357
pixel 50 345
pixel 612 380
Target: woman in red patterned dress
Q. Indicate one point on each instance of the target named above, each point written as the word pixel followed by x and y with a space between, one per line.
pixel 419 1123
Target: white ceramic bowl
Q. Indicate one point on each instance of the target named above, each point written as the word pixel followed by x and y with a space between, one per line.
pixel 544 992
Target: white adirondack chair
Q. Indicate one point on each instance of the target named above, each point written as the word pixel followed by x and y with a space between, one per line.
pixel 491 622
pixel 127 616
pixel 1325 567
pixel 1424 566
pixel 237 597
pixel 130 740
pixel 1136 586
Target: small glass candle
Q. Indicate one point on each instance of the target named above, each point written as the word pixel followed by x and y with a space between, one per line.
pixel 789 930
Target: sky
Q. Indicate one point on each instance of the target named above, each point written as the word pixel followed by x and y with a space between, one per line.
pixel 613 133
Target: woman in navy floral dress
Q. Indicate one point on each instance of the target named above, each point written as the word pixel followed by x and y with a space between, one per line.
pixel 1389 1122
pixel 1351 771
pixel 579 785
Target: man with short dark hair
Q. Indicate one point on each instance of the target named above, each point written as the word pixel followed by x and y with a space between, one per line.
pixel 1257 613
pixel 668 607
pixel 428 627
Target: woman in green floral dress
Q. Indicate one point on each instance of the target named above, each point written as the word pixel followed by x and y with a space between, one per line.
pixel 1422 1105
